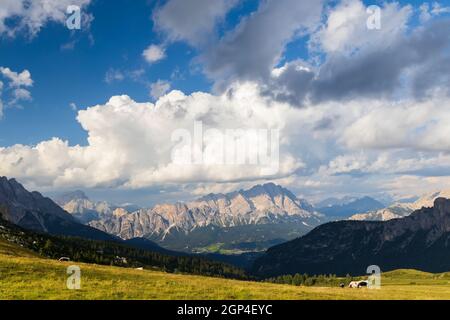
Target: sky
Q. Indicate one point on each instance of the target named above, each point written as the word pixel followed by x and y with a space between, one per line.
pixel 352 97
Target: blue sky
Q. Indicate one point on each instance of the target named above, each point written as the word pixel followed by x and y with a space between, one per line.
pixel 77 75
pixel 65 76
pixel 121 31
pixel 69 70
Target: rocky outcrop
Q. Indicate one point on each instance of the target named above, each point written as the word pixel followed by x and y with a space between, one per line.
pixel 27 209
pixel 33 211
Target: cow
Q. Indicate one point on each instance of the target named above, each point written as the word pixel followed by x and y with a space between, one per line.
pixel 358 284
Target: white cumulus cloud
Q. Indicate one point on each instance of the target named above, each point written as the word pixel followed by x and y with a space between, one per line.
pixel 17 79
pixel 154 53
pixel 130 144
pixel 17 87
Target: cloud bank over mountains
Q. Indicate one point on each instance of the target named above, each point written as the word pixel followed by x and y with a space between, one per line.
pixel 130 144
pixel 358 109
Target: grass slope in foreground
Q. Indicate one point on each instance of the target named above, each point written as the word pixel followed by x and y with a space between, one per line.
pixel 24 275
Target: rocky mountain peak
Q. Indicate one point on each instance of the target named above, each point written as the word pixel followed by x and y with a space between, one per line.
pixel 261 196
pixel 271 189
pixel 442 205
pixel 438 214
pixel 12 192
pixel 213 197
pixel 33 211
pixel 262 204
pixel 70 196
pixel 11 188
pixel 427 200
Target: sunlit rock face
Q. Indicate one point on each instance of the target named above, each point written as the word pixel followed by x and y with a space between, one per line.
pixel 262 204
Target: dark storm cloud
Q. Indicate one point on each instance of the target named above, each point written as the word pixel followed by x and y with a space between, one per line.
pixel 415 63
pixel 250 51
pixel 291 86
pixel 378 73
pixel 192 21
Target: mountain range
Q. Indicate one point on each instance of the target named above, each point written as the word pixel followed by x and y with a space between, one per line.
pixel 265 216
pixel 418 241
pixel 236 222
pixel 243 220
pixel 400 209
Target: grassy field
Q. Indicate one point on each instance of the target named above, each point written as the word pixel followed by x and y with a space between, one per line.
pixel 23 275
pixel 218 248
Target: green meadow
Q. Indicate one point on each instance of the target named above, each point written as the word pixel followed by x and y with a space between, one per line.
pixel 24 275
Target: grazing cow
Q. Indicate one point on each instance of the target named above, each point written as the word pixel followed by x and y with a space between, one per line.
pixel 358 284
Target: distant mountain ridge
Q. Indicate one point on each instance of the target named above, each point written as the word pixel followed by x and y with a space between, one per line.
pixel 78 204
pixel 261 204
pixel 66 197
pixel 333 201
pixel 173 223
pixel 401 209
pixel 336 208
pixel 419 241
